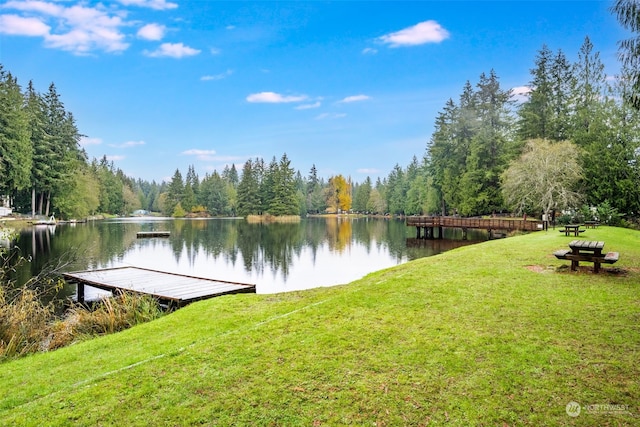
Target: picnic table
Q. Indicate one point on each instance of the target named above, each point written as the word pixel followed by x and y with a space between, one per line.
pixel 588 251
pixel 591 224
pixel 572 229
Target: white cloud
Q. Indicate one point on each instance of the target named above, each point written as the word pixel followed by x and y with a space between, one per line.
pixel 369 51
pixel 214 51
pixel 422 33
pixel 207 155
pixel 85 140
pixel 217 76
pixel 78 29
pixel 354 98
pixel 35 6
pixel 128 144
pixel 152 32
pixel 152 4
pixel 308 106
pixel 368 171
pixel 330 116
pixel 274 98
pixel 115 158
pixel 19 26
pixel 173 50
pixel 520 93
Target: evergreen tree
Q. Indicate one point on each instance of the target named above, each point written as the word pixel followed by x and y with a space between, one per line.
pixel 15 149
pixel 611 158
pixel 535 114
pixel 213 189
pixel 268 185
pixel 41 147
pixel 396 190
pixel 175 192
pixel 561 79
pixel 283 200
pixel 588 90
pixel 443 167
pixel 417 187
pixel 488 150
pixel 248 191
pixel 64 153
pixel 315 199
pixel 361 196
pixel 230 174
pixel 191 187
pixel 628 14
pixel 111 194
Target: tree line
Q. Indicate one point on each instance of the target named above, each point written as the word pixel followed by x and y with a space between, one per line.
pixel 573 139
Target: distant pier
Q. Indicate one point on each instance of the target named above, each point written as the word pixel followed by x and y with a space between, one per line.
pixel 431 227
pixel 141 234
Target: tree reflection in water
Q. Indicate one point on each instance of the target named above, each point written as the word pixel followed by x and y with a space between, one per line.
pixel 276 257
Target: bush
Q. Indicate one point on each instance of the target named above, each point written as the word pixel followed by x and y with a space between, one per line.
pixel 564 219
pixel 109 316
pixel 28 325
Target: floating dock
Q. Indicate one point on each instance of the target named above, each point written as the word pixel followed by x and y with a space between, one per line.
pixel 153 234
pixel 175 290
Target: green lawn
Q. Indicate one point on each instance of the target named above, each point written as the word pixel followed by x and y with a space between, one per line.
pixel 495 334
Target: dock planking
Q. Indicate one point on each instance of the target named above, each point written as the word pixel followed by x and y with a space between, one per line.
pixel 170 288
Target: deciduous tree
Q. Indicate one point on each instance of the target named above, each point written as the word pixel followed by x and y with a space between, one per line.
pixel 543 178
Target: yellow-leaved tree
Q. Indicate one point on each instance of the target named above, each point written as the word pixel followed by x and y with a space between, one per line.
pixel 338 194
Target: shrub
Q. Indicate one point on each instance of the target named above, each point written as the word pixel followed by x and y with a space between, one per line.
pixel 28 325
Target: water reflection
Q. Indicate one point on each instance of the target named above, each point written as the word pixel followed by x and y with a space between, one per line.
pixel 276 257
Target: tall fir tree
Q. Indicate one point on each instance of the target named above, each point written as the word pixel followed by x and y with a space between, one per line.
pixel 15 148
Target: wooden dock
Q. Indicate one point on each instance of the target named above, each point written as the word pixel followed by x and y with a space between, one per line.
pixel 426 225
pixel 140 234
pixel 172 289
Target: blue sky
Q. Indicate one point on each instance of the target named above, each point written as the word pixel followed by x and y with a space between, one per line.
pixel 350 86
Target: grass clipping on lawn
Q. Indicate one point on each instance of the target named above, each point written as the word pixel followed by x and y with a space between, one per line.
pixel 498 333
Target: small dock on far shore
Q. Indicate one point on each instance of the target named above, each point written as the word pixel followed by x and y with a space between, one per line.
pixel 172 289
pixel 141 234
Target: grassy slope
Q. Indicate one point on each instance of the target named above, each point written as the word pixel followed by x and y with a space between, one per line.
pixel 469 337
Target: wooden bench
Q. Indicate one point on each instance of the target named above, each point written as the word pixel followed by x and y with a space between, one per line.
pixel 572 229
pixel 595 258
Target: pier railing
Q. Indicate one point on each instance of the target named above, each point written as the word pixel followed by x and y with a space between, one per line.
pixel 477 223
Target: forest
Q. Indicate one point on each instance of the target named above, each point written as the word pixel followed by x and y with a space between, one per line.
pixel 571 141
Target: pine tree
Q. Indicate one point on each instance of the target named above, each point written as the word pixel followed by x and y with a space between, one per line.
pixel 15 150
pixel 41 147
pixel 628 14
pixel 488 149
pixel 248 191
pixel 535 113
pixel 175 193
pixel 283 200
pixel 587 91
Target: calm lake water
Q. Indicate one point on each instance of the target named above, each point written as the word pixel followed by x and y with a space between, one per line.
pixel 276 257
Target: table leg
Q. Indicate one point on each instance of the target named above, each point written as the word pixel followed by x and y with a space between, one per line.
pixel 575 263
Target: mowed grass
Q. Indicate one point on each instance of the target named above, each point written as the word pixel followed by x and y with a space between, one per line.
pixel 495 334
